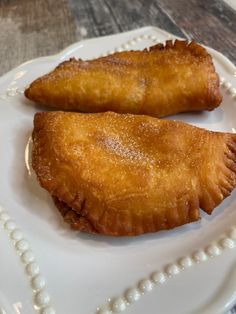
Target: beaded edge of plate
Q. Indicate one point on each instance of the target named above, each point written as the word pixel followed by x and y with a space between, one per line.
pixel 11 92
pixel 37 281
pixel 158 278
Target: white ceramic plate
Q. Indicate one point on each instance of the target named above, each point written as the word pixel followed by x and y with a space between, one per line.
pixel 193 264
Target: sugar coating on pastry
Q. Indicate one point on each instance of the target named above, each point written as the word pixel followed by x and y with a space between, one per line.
pixel 165 79
pixel 123 174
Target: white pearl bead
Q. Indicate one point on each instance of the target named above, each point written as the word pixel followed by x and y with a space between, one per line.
pixel 232 91
pixel 16 235
pixel 22 245
pixel 213 250
pixel 172 270
pixel 185 262
pixel 42 298
pixel 145 285
pixel 48 310
pixel 4 216
pixel 222 80
pixel 227 85
pixel 119 49
pixel 10 225
pixel 27 257
pixel 32 269
pixel 132 295
pixel 158 277
pixel 11 93
pixel 119 305
pixel 19 91
pixel 199 256
pixel 104 311
pixel 110 52
pixel 38 282
pixel 125 46
pixel 227 243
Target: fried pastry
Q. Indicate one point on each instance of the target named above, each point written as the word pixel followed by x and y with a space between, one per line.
pixel 123 174
pixel 160 81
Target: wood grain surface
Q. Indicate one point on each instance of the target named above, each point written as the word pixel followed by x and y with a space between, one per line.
pixel 29 29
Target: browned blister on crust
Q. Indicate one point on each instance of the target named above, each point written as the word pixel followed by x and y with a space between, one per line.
pixel 122 174
pixel 159 81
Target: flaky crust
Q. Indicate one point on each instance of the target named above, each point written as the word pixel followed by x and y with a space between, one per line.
pixel 122 174
pixel 160 81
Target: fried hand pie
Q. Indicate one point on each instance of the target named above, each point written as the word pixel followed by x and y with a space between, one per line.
pixel 163 80
pixel 123 174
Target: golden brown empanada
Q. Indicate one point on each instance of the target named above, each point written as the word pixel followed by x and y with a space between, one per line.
pixel 122 174
pixel 159 81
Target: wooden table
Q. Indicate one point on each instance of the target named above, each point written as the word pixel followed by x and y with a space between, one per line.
pixel 29 29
